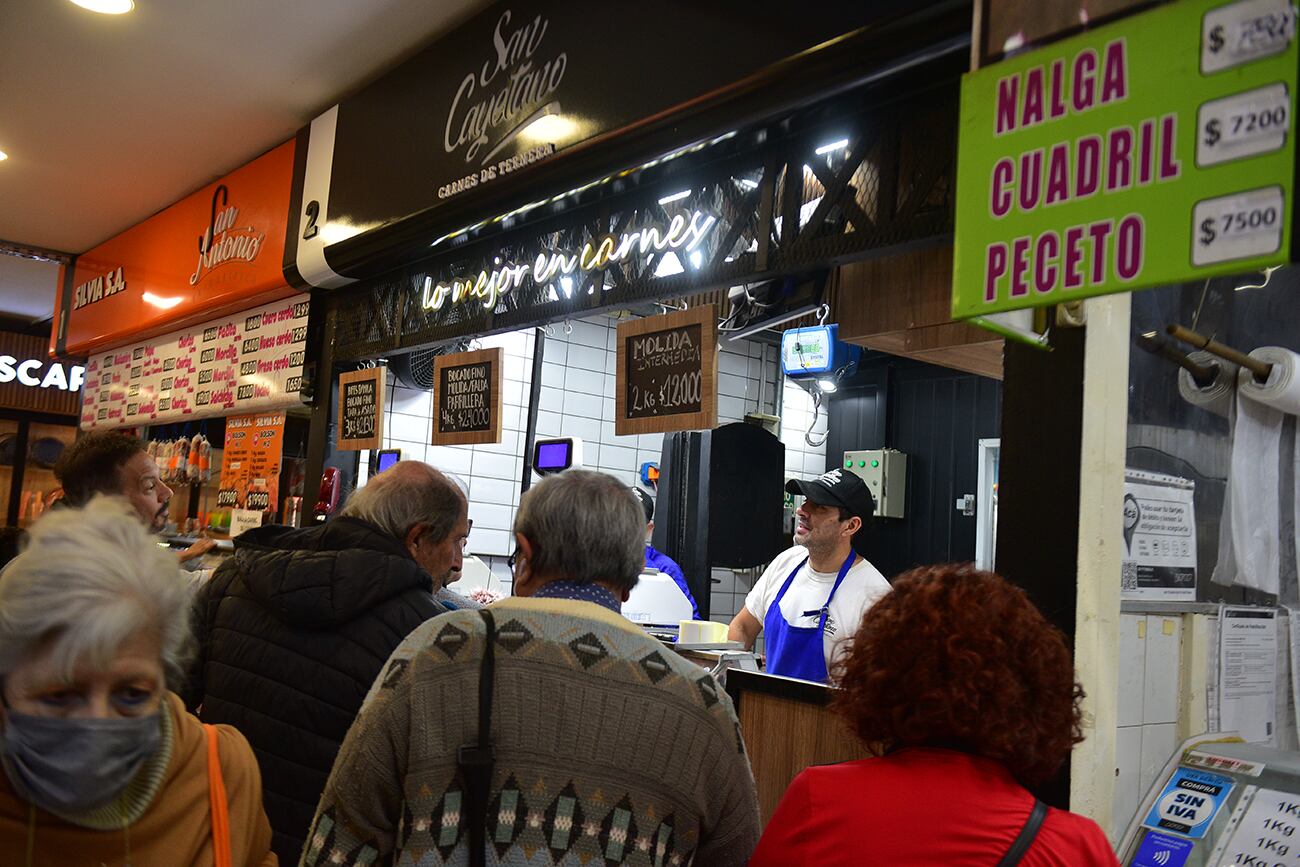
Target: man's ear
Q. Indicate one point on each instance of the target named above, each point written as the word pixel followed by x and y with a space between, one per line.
pixel 524 573
pixel 853 525
pixel 413 535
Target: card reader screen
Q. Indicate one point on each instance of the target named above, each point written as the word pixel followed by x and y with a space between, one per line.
pixel 553 456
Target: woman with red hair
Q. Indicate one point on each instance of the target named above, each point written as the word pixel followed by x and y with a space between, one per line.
pixel 967 695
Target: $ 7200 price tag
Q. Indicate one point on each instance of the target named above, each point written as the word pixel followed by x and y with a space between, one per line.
pixel 1238 226
pixel 1243 125
pixel 1241 32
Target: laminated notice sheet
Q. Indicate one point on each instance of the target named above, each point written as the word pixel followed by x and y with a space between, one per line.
pixel 1266 833
pixel 1159 555
pixel 1248 672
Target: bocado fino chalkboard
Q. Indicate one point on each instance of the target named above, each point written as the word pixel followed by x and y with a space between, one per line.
pixel 667 373
pixel 467 398
pixel 361 409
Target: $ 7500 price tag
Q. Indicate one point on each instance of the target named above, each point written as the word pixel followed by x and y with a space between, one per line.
pixel 1241 32
pixel 1238 226
pixel 1243 125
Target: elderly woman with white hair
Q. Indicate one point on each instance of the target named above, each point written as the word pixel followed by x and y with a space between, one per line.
pixel 101 763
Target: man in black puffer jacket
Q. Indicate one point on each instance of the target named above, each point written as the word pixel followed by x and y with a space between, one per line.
pixel 293 629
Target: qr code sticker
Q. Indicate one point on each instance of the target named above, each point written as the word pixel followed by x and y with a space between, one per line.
pixel 1129 576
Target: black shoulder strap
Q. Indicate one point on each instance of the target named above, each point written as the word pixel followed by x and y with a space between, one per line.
pixel 1026 837
pixel 476 761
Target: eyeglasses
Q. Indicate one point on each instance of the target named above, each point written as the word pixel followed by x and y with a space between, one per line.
pixel 510 561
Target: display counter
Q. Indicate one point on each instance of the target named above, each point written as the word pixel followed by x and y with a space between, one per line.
pixel 787 726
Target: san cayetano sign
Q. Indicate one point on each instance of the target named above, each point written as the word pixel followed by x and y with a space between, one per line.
pixel 514 88
pixel 520 83
pixel 1157 149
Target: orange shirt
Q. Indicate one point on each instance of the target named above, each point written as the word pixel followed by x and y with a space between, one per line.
pixel 176 828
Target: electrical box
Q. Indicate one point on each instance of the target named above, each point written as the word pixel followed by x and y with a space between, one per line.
pixel 885 472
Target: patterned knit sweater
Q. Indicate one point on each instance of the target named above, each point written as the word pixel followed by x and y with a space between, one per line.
pixel 609 750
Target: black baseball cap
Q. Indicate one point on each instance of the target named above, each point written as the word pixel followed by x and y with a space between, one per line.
pixel 840 488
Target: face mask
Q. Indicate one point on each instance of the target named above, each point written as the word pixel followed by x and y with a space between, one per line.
pixel 75 765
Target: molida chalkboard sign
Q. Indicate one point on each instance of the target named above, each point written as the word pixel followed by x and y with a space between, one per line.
pixel 467 398
pixel 667 373
pixel 361 409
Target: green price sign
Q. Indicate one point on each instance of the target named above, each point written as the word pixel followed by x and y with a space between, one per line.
pixel 1157 149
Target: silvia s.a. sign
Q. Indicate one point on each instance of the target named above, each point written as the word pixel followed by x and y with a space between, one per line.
pixel 215 252
pixel 1157 149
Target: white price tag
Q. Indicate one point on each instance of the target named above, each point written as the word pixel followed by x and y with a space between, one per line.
pixel 1237 226
pixel 1243 125
pixel 1241 32
pixel 243 519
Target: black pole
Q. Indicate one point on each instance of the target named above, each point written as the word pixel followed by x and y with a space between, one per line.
pixel 534 395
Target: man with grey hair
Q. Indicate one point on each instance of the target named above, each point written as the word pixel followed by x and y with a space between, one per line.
pixel 546 727
pixel 296 625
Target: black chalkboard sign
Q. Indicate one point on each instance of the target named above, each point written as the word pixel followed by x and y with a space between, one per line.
pixel 467 398
pixel 361 409
pixel 667 373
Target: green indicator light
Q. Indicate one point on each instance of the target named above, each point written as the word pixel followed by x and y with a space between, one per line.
pixel 848 464
pixel 862 463
pixel 875 463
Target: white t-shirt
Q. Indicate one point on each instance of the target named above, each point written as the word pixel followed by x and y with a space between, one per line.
pixel 801 606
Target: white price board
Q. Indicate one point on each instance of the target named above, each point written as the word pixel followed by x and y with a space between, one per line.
pixel 1238 226
pixel 242 363
pixel 1267 834
pixel 1238 33
pixel 243 519
pixel 1243 125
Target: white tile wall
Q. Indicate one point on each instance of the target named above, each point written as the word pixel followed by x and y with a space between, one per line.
pixel 577 399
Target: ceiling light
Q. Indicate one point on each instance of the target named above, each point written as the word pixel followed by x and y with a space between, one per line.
pixel 107 7
pixel 746 182
pixel 833 146
pixel 697 258
pixel 3 156
pixel 674 197
pixel 827 385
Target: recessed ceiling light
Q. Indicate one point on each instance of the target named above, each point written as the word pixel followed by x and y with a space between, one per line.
pixel 107 7
pixel 3 156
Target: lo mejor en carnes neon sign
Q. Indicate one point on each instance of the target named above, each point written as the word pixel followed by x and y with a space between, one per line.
pixel 489 285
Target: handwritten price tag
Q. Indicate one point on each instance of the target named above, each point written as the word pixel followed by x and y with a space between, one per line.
pixel 1243 125
pixel 1237 226
pixel 1241 32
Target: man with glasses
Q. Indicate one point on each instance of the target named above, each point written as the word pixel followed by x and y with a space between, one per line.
pixel 813 596
pixel 546 728
pixel 293 629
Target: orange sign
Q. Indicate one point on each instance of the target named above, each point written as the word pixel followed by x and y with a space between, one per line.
pixel 214 252
pixel 250 463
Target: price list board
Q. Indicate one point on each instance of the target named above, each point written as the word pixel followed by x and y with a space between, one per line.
pixel 361 409
pixel 250 463
pixel 247 362
pixel 667 373
pixel 467 398
pixel 1157 149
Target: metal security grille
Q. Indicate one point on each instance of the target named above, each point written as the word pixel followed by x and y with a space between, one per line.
pixel 865 185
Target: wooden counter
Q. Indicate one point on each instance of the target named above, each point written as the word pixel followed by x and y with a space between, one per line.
pixel 787 727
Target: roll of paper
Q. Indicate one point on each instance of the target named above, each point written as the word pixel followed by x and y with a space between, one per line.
pixel 1215 397
pixel 1256 461
pixel 1282 390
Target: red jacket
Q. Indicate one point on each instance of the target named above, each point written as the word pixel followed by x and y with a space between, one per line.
pixel 919 806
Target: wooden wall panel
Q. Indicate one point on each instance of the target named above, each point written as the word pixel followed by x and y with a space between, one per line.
pixel 784 736
pixel 902 305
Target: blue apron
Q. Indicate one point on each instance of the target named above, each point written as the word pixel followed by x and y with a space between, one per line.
pixel 796 651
